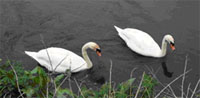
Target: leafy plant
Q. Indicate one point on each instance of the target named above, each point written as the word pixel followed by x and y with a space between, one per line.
pixel 34 83
pixel 31 83
pixel 124 88
pixel 148 85
pixel 8 79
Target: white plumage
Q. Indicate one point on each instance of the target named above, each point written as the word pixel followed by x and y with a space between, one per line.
pixel 141 42
pixel 59 59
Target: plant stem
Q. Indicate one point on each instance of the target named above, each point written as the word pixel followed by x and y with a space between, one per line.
pixel 79 87
pixel 139 85
pixel 16 78
pixel 172 92
pixel 59 86
pixel 195 88
pixel 170 84
pixel 42 40
pixel 110 79
pixel 186 61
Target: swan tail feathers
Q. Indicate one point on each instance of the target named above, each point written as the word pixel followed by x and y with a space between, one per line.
pixel 118 29
pixel 31 54
pixel 120 33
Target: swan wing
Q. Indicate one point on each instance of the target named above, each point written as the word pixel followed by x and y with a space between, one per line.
pixel 60 59
pixel 140 42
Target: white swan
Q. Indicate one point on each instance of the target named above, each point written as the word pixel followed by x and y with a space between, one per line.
pixel 142 43
pixel 62 59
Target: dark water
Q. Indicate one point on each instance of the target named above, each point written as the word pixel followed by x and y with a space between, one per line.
pixel 71 23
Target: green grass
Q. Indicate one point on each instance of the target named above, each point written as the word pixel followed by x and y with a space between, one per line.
pixel 15 81
pixel 33 83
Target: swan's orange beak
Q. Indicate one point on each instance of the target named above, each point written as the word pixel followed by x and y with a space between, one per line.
pixel 98 51
pixel 172 47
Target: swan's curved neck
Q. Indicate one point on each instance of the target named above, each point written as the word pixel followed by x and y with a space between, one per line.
pixel 85 56
pixel 163 48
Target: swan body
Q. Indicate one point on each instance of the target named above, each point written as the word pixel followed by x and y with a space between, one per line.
pixel 59 59
pixel 142 43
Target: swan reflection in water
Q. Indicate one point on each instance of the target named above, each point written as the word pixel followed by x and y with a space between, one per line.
pixel 165 70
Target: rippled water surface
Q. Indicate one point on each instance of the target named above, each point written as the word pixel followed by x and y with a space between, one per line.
pixel 71 23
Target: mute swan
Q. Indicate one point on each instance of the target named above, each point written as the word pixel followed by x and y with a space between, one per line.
pixel 62 59
pixel 142 43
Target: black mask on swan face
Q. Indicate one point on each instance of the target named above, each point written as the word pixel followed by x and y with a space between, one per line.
pixel 172 46
pixel 98 51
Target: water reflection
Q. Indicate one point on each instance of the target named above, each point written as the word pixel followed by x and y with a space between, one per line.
pixel 95 74
pixel 165 70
